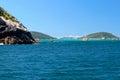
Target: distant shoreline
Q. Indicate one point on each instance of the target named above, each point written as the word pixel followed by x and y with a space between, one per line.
pixel 70 40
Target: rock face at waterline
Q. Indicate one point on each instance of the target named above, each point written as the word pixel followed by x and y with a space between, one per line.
pixel 12 31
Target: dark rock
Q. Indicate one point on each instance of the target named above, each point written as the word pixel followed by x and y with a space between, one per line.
pixel 12 32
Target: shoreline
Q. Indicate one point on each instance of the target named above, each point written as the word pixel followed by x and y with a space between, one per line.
pixel 71 40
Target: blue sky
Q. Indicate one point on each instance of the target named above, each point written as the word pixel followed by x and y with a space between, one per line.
pixel 66 17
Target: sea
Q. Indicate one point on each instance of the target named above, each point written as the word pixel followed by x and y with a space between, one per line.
pixel 67 60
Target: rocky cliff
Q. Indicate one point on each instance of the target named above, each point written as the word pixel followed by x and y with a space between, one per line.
pixel 12 31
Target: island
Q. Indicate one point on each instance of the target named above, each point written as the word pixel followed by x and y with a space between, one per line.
pixel 99 36
pixel 40 35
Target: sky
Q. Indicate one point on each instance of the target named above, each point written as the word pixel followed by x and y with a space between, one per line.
pixel 60 18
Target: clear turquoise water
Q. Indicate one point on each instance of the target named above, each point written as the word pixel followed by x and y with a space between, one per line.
pixel 92 60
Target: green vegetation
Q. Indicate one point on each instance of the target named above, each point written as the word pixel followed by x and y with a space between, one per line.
pixel 6 15
pixel 102 35
pixel 40 35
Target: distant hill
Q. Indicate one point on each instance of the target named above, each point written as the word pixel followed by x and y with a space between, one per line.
pixel 101 35
pixel 40 35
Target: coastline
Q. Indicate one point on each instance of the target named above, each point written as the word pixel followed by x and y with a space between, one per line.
pixel 73 40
